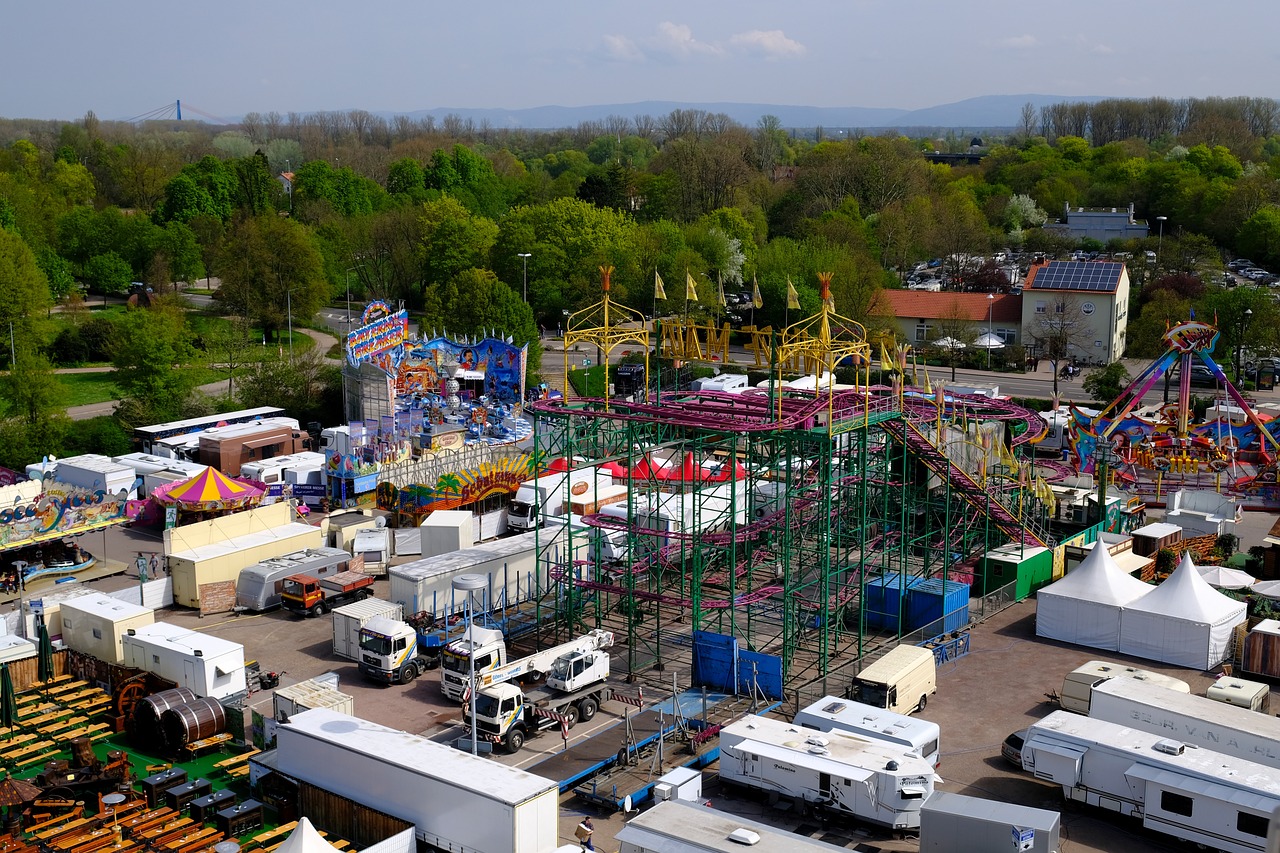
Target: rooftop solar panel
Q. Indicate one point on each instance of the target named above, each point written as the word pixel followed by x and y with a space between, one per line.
pixel 1078 275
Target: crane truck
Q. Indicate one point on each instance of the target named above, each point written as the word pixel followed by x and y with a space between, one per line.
pixel 575 687
pixel 489 651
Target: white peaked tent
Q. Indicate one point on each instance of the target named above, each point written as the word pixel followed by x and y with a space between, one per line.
pixel 1085 606
pixel 1183 621
pixel 305 839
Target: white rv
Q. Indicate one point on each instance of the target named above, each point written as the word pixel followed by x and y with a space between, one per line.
pixel 834 772
pixel 1077 687
pixel 831 714
pixel 1210 799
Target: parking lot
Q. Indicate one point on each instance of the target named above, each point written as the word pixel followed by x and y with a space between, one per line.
pixel 998 688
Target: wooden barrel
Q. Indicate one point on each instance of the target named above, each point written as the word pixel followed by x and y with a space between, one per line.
pixel 193 721
pixel 145 724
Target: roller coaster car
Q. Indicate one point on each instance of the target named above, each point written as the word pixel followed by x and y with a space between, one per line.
pixel 85 772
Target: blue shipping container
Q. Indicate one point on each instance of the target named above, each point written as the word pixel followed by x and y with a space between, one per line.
pixel 883 600
pixel 936 600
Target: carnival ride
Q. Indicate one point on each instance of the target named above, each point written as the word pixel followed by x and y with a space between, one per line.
pixel 1154 450
pixel 790 501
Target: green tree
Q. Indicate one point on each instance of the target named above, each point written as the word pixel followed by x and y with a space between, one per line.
pixel 1259 236
pixel 256 189
pixel 271 266
pixel 108 273
pixel 24 289
pixel 475 301
pixel 149 347
pixel 1105 384
pixel 32 392
pixel 454 239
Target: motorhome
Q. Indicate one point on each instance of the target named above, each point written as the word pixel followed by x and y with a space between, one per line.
pixel 901 681
pixel 832 714
pixel 228 448
pixel 147 436
pixel 259 586
pixel 1077 687
pixel 833 772
pixel 1213 800
pixel 272 471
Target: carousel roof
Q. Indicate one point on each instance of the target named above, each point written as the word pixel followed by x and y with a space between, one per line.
pixel 210 485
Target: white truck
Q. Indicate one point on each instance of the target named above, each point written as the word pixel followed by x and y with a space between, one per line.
pixel 1195 720
pixel 390 651
pixel 549 496
pixel 575 687
pixel 349 621
pixel 489 650
pixel 653 517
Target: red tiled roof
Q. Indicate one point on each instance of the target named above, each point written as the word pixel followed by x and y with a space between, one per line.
pixel 1006 307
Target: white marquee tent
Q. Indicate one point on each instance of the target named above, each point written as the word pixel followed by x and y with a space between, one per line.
pixel 305 839
pixel 1085 606
pixel 1183 621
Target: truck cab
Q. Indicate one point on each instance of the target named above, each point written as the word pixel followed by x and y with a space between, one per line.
pixel 388 651
pixel 575 687
pixel 489 649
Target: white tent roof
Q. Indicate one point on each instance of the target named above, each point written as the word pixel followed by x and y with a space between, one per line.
pixel 1100 580
pixel 1187 595
pixel 1085 607
pixel 305 839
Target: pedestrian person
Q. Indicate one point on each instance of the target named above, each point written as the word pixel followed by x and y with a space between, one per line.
pixel 583 833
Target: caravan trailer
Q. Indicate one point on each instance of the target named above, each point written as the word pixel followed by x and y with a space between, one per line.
pixel 1078 686
pixel 844 715
pixel 1210 799
pixel 258 587
pixel 834 772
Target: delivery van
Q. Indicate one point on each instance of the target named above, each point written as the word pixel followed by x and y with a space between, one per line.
pixel 901 681
pixel 1077 687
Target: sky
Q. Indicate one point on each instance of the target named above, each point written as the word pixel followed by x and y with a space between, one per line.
pixel 123 59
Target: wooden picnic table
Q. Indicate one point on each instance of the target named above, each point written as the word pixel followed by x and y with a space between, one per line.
pixel 18 740
pixel 75 839
pixel 265 838
pixel 148 819
pixel 54 832
pixel 62 725
pixel 204 833
pixel 25 750
pixel 35 710
pixel 65 687
pixel 175 824
pixel 70 698
pixel 198 746
pixel 236 760
pixel 50 716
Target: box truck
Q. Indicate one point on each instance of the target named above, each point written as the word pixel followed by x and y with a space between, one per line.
pixel 1077 687
pixel 350 618
pixel 259 586
pixel 901 681
pixel 456 801
pixel 549 495
pixel 835 774
pixel 93 471
pixel 1213 800
pixel 831 714
pixel 1195 720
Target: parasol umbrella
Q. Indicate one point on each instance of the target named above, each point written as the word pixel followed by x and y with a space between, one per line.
pixel 15 792
pixel 1269 589
pixel 8 702
pixel 1226 578
pixel 44 665
pixel 989 341
pixel 948 343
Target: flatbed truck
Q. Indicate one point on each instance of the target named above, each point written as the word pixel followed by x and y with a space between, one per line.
pixel 311 596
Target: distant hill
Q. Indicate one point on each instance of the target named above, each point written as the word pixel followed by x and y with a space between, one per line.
pixel 988 111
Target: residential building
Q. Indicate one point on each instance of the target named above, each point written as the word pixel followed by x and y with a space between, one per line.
pixel 1085 304
pixel 917 316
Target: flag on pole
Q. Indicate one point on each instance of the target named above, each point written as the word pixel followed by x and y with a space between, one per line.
pixel 885 364
pixel 659 292
pixel 793 298
pixel 720 292
pixel 690 287
pixel 756 301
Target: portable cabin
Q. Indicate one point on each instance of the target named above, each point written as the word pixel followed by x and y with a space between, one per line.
pixel 208 666
pixel 97 624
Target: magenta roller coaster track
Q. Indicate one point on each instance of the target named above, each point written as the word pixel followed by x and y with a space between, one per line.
pixel 754 412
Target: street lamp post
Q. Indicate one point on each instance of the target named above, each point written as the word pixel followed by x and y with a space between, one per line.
pixel 524 289
pixel 991 301
pixel 288 297
pixel 1160 238
pixel 469 584
pixel 1244 324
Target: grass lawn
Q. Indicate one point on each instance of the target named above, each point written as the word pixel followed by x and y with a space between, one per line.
pixel 85 388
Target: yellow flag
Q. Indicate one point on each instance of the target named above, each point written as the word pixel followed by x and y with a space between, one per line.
pixel 885 364
pixel 720 293
pixel 756 301
pixel 690 287
pixel 659 292
pixel 793 298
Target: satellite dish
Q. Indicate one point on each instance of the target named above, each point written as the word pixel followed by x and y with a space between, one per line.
pixel 379 522
pixel 626 804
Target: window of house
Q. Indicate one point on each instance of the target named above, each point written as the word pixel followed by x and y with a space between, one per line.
pixel 922 331
pixel 1176 803
pixel 1041 308
pixel 1059 308
pixel 97 633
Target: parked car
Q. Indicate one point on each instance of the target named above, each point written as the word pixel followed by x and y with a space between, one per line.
pixel 1011 749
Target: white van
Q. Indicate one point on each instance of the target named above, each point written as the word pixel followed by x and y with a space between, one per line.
pixel 1077 687
pixel 844 715
pixel 901 681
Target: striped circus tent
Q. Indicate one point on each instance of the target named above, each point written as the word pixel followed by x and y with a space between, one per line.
pixel 209 490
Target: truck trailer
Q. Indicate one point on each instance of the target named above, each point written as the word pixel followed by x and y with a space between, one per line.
pixel 491 665
pixel 833 773
pixel 1195 720
pixel 455 800
pixel 1198 795
pixel 549 495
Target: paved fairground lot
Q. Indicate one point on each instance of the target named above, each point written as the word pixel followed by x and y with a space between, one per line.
pixel 1001 686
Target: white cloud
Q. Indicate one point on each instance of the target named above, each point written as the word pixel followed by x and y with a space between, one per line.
pixel 1027 40
pixel 772 43
pixel 1102 50
pixel 677 39
pixel 622 49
